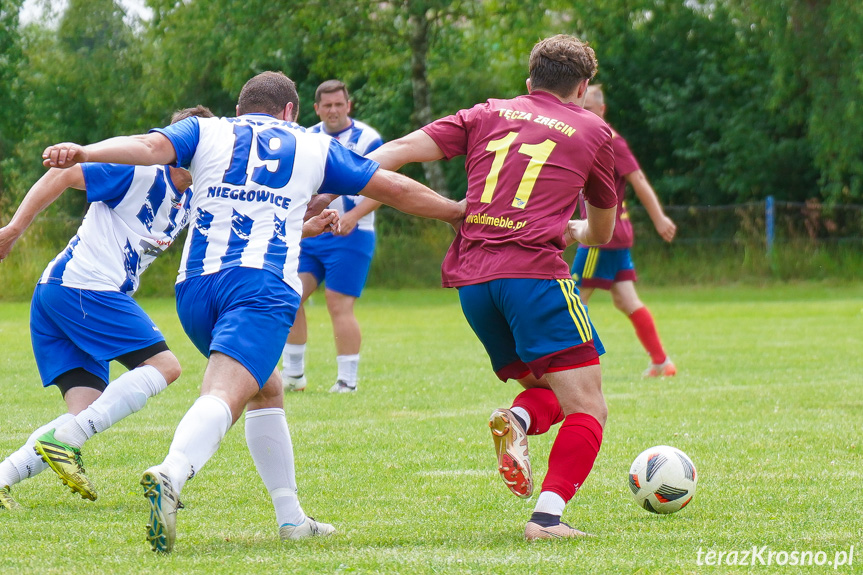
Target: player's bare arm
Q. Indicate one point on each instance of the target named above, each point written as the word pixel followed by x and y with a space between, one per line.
pixel 415 147
pixel 317 204
pixel 141 150
pixel 665 227
pixel 595 230
pixel 41 195
pixel 411 197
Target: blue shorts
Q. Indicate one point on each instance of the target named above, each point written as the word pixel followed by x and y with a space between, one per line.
pixel 342 261
pixel 244 313
pixel 73 328
pixel 601 268
pixel 530 325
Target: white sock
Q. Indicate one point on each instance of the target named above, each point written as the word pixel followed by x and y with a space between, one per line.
pixel 270 444
pixel 294 359
pixel 549 502
pixel 25 463
pixel 197 438
pixel 522 413
pixel 123 396
pixel 348 367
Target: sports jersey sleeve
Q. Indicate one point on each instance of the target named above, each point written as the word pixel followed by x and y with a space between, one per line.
pixel 346 172
pixel 599 187
pixel 624 160
pixel 377 143
pixel 450 133
pixel 184 136
pixel 107 183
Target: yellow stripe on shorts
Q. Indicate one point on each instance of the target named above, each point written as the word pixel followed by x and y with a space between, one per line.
pixel 576 310
pixel 590 262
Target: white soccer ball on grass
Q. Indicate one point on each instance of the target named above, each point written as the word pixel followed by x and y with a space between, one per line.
pixel 662 479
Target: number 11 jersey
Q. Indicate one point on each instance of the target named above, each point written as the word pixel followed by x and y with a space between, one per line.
pixel 527 159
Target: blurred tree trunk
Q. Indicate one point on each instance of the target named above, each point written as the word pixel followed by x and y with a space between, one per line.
pixel 419 44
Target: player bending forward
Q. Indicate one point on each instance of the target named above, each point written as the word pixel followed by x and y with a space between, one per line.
pixel 527 159
pixel 83 316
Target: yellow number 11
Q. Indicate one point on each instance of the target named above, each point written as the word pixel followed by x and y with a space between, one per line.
pixel 538 154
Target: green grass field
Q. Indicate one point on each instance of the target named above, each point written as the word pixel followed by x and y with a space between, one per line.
pixel 767 403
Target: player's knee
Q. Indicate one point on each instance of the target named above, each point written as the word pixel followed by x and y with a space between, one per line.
pixel 169 366
pixel 340 304
pixel 627 306
pixel 600 412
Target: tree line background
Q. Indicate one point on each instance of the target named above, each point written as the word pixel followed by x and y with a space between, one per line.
pixel 723 102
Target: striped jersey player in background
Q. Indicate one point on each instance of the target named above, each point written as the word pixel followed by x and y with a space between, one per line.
pixel 527 160
pixel 341 258
pixel 238 289
pixel 82 315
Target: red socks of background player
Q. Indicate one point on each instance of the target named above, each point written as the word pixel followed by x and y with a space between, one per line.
pixel 645 329
pixel 572 455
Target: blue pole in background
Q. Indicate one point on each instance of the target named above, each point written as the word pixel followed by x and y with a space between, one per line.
pixel 769 223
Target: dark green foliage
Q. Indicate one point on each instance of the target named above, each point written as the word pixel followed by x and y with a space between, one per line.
pixel 10 57
pixel 722 102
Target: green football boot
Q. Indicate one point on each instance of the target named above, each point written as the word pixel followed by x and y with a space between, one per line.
pixel 66 462
pixel 6 501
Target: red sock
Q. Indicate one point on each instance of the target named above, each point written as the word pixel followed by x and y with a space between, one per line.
pixel 572 454
pixel 645 329
pixel 543 407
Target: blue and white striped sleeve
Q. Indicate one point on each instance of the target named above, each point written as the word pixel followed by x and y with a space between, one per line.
pixel 346 172
pixel 184 136
pixel 107 182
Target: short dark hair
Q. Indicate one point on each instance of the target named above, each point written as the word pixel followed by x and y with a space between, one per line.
pixel 329 87
pixel 559 63
pixel 267 93
pixel 199 111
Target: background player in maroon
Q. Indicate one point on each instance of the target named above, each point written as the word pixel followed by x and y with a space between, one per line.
pixel 610 267
pixel 527 159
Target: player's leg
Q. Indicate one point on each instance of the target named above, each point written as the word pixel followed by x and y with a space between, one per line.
pixel 62 330
pixel 269 442
pixel 556 339
pixel 348 338
pixel 536 408
pixel 294 352
pixel 24 463
pixel 151 370
pixel 626 299
pixel 239 318
pixel 348 263
pixel 507 426
pixel 534 411
pixel 79 389
pixel 574 450
pixel 226 388
pixel 102 326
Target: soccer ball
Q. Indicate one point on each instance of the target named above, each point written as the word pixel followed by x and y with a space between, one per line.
pixel 662 479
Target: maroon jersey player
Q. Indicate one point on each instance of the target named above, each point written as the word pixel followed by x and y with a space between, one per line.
pixel 527 160
pixel 610 267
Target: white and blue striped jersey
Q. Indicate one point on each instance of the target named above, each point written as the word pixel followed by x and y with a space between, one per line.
pixel 135 214
pixel 362 139
pixel 253 177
